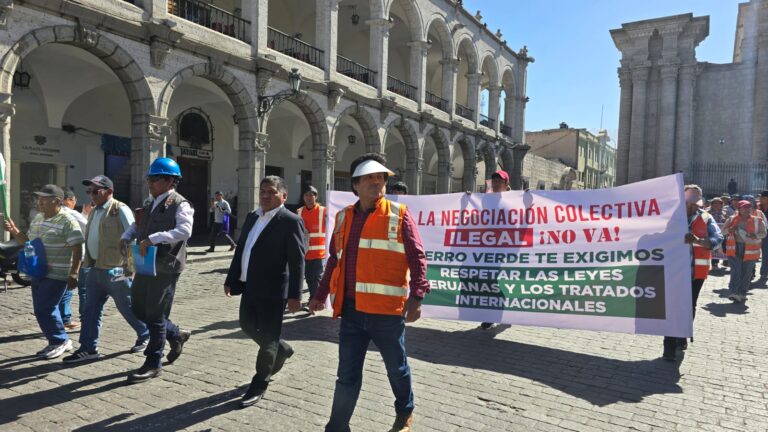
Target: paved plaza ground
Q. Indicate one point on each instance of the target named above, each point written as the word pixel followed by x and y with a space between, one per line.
pixel 506 379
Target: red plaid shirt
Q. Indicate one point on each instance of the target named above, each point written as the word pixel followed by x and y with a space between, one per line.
pixel 414 253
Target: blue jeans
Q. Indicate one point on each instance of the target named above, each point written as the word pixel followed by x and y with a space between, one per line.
pixel 741 272
pixel 100 288
pixel 46 295
pixel 64 305
pixel 388 334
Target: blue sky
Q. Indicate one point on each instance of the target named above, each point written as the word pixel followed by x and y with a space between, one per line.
pixel 576 60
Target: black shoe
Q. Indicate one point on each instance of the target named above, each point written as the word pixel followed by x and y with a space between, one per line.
pixel 209 250
pixel 231 248
pixel 280 359
pixel 253 395
pixel 668 356
pixel 683 344
pixel 143 374
pixel 177 345
pixel 486 325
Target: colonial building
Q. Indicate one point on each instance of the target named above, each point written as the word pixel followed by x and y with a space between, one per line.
pixel 677 114
pixel 97 86
pixel 593 157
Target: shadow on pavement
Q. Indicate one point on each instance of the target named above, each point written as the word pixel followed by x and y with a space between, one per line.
pixel 598 380
pixel 722 292
pixel 20 337
pixel 15 407
pixel 16 377
pixel 221 325
pixel 176 418
pixel 721 310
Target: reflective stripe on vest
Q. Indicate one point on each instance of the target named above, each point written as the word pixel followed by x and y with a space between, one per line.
pixel 316 247
pixel 374 288
pixel 390 245
pixel 701 255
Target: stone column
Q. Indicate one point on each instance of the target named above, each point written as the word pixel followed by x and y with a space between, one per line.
pixel 665 150
pixel 494 108
pixel 625 122
pixel 470 168
pixel 518 133
pixel 323 161
pixel 684 133
pixel 251 165
pixel 7 110
pixel 450 72
pixel 418 78
pixel 257 12
pixel 473 84
pixel 516 175
pixel 379 47
pixel 509 111
pixel 637 138
pixel 147 144
pixel 327 32
pixel 760 122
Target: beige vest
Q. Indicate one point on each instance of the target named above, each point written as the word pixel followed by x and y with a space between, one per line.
pixel 110 230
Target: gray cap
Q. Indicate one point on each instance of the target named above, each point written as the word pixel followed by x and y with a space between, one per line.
pixel 100 181
pixel 50 190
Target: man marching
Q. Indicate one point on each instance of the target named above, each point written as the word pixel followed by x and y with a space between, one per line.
pixel 314 217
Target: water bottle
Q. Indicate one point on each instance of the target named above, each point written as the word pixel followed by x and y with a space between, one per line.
pixel 29 250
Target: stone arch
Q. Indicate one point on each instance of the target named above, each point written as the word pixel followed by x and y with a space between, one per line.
pixel 465 43
pixel 236 92
pixel 508 82
pixel 146 136
pixel 443 160
pixel 467 145
pixel 413 17
pixel 490 61
pixel 441 27
pixel 412 154
pixel 367 125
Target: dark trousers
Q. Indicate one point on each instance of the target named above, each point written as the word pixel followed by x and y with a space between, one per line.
pixel 670 343
pixel 216 231
pixel 764 261
pixel 262 320
pixel 313 273
pixel 151 301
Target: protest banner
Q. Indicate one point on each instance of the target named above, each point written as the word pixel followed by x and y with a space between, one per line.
pixel 606 260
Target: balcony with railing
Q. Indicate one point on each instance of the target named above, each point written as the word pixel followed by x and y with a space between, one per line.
pixel 401 87
pixel 355 71
pixel 505 130
pixel 465 112
pixel 436 101
pixel 212 17
pixel 294 47
pixel 487 121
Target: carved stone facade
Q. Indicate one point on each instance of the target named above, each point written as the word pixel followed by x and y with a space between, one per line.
pixel 678 114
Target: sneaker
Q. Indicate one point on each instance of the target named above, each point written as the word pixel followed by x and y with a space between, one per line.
pixel 140 345
pixel 732 297
pixel 72 325
pixel 45 350
pixel 81 355
pixel 58 350
pixel 486 325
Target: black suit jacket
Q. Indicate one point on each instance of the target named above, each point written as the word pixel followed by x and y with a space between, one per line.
pixel 276 264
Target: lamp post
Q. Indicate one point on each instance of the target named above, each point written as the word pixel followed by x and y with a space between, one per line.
pixel 267 102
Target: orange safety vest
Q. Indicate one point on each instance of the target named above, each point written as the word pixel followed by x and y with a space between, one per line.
pixel 314 221
pixel 381 285
pixel 751 247
pixel 701 255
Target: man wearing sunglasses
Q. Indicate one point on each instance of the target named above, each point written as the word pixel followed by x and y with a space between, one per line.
pixel 106 223
pixel 165 223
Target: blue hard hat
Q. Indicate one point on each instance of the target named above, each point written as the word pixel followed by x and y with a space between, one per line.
pixel 164 166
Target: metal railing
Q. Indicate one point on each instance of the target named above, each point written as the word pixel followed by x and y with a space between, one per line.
pixel 465 112
pixel 356 71
pixel 436 101
pixel 401 87
pixel 505 130
pixel 294 47
pixel 208 15
pixel 713 177
pixel 487 121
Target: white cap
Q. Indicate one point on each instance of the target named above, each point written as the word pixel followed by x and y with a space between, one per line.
pixel 370 167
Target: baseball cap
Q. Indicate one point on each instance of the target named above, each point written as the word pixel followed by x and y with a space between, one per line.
pixel 50 190
pixel 716 199
pixel 503 174
pixel 744 203
pixel 371 167
pixel 100 181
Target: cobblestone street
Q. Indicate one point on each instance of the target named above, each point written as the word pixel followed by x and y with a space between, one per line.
pixel 509 378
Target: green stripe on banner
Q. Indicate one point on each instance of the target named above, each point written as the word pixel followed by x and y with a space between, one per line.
pixel 620 291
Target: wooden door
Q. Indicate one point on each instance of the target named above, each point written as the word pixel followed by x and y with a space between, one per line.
pixel 194 187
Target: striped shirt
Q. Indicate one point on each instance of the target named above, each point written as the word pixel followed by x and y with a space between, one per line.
pixel 58 234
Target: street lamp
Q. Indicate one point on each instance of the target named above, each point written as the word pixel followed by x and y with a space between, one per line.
pixel 267 102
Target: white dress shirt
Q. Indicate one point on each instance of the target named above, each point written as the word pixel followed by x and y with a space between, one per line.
pixel 253 235
pixel 183 230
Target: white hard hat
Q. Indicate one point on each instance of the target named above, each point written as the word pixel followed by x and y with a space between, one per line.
pixel 370 167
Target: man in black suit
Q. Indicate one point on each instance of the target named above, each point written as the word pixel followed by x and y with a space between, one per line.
pixel 268 270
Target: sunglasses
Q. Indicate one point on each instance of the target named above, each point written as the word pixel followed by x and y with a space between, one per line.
pixel 93 191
